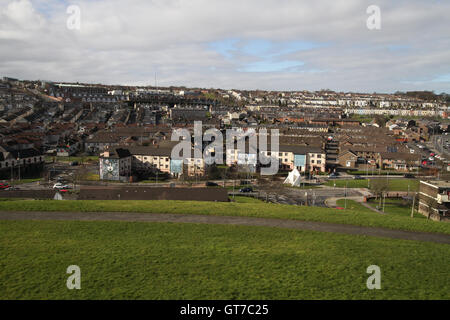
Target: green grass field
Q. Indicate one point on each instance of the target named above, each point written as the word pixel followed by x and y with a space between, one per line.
pixel 393 207
pixel 132 260
pixel 397 207
pixel 74 158
pixel 22 181
pixel 243 199
pixel 376 172
pixel 265 210
pixel 393 184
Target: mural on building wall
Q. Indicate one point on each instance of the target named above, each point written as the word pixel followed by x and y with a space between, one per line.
pixel 300 160
pixel 109 169
pixel 176 166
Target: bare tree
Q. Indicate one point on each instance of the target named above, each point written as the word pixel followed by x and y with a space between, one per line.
pixel 379 187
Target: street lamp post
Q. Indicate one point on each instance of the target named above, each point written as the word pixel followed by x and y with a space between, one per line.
pixel 412 208
pixel 345 202
pixel 19 164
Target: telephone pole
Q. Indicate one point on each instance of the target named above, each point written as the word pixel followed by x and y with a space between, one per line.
pixel 412 208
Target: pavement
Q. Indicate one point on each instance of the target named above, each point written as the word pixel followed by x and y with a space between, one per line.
pixel 315 196
pixel 225 220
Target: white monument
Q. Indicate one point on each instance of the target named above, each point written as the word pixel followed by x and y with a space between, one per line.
pixel 293 178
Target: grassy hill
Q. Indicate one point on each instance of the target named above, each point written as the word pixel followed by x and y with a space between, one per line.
pixel 132 260
pixel 356 216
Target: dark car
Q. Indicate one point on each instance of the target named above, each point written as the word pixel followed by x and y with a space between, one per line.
pixel 358 178
pixel 334 175
pixel 246 190
pixel 211 184
pixel 74 163
pixel 409 176
pixel 245 182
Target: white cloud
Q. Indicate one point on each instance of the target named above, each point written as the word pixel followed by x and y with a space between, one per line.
pixel 128 41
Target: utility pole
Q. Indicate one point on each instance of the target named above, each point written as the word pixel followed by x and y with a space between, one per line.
pixel 234 183
pixel 387 181
pixel 412 208
pixel 345 202
pixel 384 201
pixel 367 168
pixel 19 163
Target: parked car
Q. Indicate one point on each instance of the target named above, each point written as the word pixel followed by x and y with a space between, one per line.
pixel 409 176
pixel 4 186
pixel 358 178
pixel 12 188
pixel 60 186
pixel 211 184
pixel 245 182
pixel 246 190
pixel 74 163
pixel 334 175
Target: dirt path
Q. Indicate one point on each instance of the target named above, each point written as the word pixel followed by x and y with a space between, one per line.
pixel 225 220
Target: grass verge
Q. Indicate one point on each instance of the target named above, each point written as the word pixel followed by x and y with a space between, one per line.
pixel 393 184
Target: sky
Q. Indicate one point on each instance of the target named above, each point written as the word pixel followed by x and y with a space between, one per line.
pixel 230 44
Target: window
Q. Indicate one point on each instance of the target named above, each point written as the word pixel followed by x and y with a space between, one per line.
pixel 319 161
pixel 312 161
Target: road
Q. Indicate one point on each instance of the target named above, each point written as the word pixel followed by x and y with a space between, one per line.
pixel 314 197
